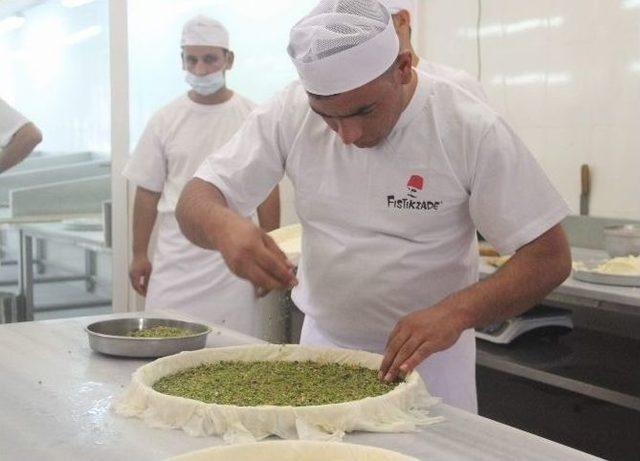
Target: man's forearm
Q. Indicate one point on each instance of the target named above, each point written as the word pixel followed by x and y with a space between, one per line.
pixel 532 273
pixel 21 145
pixel 201 210
pixel 145 212
pixel 269 211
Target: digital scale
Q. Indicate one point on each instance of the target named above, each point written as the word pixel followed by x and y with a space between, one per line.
pixel 545 320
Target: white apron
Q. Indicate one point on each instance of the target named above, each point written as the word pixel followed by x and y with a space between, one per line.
pixel 189 279
pixel 442 380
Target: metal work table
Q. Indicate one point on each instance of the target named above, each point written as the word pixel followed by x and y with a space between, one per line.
pixel 619 299
pixel 91 241
pixel 56 397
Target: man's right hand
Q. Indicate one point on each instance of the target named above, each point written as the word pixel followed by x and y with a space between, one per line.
pixel 253 255
pixel 139 274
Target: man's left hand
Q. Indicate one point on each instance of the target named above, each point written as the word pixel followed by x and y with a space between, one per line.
pixel 415 337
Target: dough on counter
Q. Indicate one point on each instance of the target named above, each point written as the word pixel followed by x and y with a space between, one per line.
pixel 627 265
pixel 623 265
pixel 293 451
pixel 403 409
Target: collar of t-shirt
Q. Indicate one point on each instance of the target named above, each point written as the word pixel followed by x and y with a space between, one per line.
pixel 208 107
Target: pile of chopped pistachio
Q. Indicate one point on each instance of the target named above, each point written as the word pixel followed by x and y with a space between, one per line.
pixel 160 332
pixel 274 383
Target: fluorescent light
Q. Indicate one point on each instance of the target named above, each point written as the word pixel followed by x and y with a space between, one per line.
pixel 635 67
pixel 533 78
pixel 499 30
pixel 82 35
pixel 11 23
pixel 75 3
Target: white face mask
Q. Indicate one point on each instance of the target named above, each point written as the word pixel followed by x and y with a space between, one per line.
pixel 206 84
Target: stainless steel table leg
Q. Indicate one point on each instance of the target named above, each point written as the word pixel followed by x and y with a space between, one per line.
pixel 90 270
pixel 41 255
pixel 25 278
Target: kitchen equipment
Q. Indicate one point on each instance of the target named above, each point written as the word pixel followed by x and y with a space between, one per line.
pixel 544 319
pixel 83 224
pixel 298 450
pixel 106 222
pixel 110 337
pixel 585 189
pixel 622 240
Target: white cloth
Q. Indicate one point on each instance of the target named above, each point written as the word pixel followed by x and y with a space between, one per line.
pixel 187 278
pixel 342 45
pixel 10 122
pixel 204 31
pixel 370 252
pixel 403 409
pixel 456 76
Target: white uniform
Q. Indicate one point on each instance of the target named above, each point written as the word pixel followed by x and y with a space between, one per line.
pixel 185 277
pixel 455 76
pixel 10 122
pixel 392 229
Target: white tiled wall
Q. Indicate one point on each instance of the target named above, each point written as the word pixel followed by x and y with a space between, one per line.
pixel 565 74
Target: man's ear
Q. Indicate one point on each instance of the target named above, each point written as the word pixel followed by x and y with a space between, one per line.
pixel 230 59
pixel 404 62
pixel 402 19
pixel 182 61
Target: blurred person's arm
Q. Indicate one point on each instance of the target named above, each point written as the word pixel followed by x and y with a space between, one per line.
pixel 269 211
pixel 145 211
pixel 20 146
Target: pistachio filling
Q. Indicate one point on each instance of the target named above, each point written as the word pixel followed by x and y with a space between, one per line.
pixel 160 332
pixel 278 383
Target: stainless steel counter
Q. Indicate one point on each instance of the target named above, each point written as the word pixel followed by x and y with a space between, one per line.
pixel 55 397
pixel 621 299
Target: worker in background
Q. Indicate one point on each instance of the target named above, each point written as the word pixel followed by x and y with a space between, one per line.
pixel 402 19
pixel 184 277
pixel 393 172
pixel 18 136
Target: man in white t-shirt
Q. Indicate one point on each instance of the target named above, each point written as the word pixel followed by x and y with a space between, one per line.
pixel 400 11
pixel 176 140
pixel 18 136
pixel 393 172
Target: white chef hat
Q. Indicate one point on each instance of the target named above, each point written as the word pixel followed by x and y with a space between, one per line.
pixel 396 5
pixel 343 44
pixel 204 31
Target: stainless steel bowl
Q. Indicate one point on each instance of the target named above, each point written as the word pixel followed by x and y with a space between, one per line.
pixel 622 240
pixel 110 337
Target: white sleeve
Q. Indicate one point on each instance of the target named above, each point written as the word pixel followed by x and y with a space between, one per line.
pixel 147 166
pixel 10 122
pixel 512 202
pixel 248 167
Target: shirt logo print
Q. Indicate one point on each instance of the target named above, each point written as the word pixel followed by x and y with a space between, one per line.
pixel 415 186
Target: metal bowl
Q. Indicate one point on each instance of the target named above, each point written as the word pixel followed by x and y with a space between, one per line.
pixel 110 337
pixel 622 240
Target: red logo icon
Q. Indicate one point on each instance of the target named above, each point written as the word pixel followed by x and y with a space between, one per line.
pixel 414 184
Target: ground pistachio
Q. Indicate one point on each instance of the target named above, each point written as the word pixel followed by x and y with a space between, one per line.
pixel 160 332
pixel 278 383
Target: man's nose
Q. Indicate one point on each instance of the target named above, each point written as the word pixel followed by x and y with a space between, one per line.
pixel 349 131
pixel 200 68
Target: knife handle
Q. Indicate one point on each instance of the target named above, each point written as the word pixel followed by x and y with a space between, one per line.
pixel 585 180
